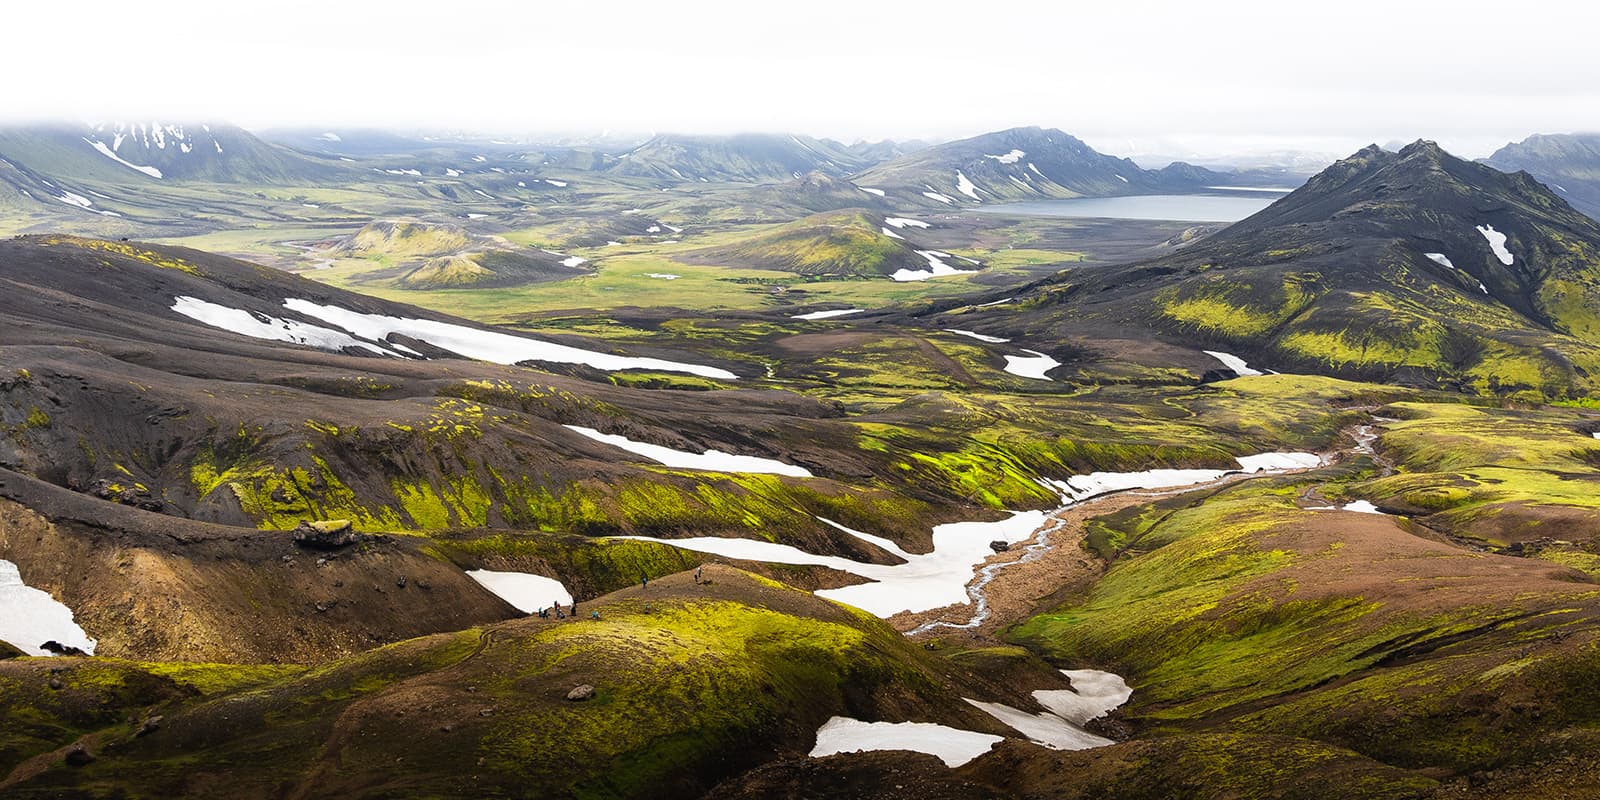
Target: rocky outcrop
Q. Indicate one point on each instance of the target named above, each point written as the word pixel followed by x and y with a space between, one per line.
pixel 328 534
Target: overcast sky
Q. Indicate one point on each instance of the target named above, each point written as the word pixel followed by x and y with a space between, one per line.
pixel 1129 76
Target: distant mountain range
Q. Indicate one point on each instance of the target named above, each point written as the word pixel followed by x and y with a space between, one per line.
pixel 750 157
pixel 1023 164
pixel 135 152
pixel 1414 266
pixel 1569 163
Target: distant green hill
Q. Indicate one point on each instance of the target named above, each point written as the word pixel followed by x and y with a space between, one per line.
pixel 853 242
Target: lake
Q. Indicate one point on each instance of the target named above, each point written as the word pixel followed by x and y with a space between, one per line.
pixel 1184 207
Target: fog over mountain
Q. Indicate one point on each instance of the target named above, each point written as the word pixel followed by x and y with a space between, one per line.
pixel 1215 76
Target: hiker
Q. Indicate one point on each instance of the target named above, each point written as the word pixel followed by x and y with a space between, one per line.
pixel 644 581
pixel 697 574
pixel 574 609
pixel 594 615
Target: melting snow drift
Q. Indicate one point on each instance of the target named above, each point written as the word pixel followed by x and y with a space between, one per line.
pixel 1234 363
pixel 838 312
pixel 951 745
pixel 492 346
pixel 1033 366
pixel 1048 728
pixel 711 460
pixel 261 326
pixel 524 591
pixel 1093 694
pixel 979 336
pixel 1497 243
pixel 30 617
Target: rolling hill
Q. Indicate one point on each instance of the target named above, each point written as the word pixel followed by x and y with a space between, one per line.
pixel 417 255
pixel 854 243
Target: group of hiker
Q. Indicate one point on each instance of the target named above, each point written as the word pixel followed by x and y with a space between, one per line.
pixel 556 610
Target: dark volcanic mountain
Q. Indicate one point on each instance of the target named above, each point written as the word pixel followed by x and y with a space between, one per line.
pixel 1413 264
pixel 747 157
pixel 1022 164
pixel 1569 163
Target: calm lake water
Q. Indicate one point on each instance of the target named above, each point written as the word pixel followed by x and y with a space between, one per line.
pixel 1184 207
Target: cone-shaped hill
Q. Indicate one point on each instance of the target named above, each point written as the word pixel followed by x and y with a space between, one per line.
pixel 852 242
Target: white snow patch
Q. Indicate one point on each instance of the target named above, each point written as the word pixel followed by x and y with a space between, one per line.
pixel 936 268
pixel 953 746
pixel 484 193
pixel 557 184
pixel 108 153
pixel 1033 366
pixel 1034 169
pixel 1120 178
pixel 1009 158
pixel 1272 462
pixel 1093 694
pixel 891 234
pixel 666 276
pixel 996 302
pixel 524 591
pixel 1233 362
pixel 573 261
pixel 943 198
pixel 1079 487
pixel 476 216
pixel 925 581
pixel 878 192
pixel 966 186
pixel 672 228
pixel 412 172
pixel 887 544
pixel 1441 259
pixel 939 578
pixel 904 222
pixel 261 326
pixel 492 346
pixel 839 312
pixel 1358 506
pixel 452 173
pixel 1497 243
pixel 653 229
pixel 330 136
pixel 1048 728
pixel 980 337
pixel 1483 288
pixel 710 460
pixel 479 159
pixel 30 617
